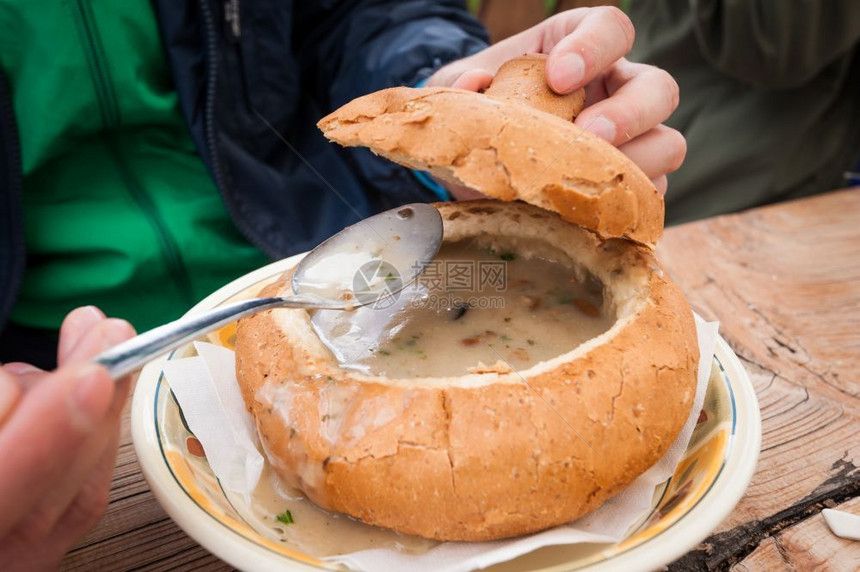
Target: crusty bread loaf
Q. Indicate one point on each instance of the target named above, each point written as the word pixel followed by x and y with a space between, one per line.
pixel 506 151
pixel 481 456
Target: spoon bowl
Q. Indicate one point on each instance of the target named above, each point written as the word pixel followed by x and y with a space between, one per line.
pixel 372 259
pixel 361 265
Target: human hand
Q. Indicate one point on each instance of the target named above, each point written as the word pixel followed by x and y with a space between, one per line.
pixel 59 433
pixel 625 103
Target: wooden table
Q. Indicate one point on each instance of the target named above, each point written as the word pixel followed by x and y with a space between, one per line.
pixel 784 281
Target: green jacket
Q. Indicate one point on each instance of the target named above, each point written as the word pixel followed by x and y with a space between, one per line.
pixel 770 97
pixel 118 206
pixel 161 154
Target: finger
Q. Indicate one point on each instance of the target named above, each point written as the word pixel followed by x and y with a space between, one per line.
pixel 10 393
pixel 593 40
pixel 661 183
pixel 21 368
pixel 75 325
pixel 24 374
pixel 100 337
pixel 81 514
pixel 49 511
pixel 78 501
pixel 22 557
pixel 473 80
pixel 647 98
pixel 658 152
pixel 47 430
pixel 103 335
pixel 42 517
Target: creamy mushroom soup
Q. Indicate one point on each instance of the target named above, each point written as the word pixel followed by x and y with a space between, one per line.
pixel 483 304
pixel 285 515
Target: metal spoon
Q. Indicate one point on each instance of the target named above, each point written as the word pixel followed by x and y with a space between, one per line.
pixel 361 265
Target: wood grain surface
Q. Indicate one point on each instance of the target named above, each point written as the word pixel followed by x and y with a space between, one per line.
pixel 784 281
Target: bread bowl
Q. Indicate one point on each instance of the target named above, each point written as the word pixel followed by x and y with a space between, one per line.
pixel 492 451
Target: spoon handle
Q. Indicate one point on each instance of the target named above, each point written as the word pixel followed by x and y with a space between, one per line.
pixel 126 357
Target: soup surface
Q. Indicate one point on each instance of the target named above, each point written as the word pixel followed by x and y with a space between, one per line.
pixel 483 304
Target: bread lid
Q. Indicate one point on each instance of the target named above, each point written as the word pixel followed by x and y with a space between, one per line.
pixel 515 141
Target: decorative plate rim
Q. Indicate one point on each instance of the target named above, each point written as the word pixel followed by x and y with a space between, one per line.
pixel 236 549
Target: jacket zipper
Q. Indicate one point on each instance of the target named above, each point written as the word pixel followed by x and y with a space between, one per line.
pixel 209 117
pixel 11 283
pixel 111 121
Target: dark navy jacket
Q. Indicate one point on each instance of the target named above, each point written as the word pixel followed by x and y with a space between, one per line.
pixel 245 69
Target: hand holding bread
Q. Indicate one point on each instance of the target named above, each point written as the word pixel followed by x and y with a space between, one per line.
pixel 626 102
pixel 514 141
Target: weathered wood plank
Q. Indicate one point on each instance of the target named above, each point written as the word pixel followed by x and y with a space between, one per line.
pixel 811 545
pixel 766 557
pixel 784 281
pixel 155 546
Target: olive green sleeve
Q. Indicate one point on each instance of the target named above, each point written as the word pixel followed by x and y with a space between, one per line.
pixel 775 44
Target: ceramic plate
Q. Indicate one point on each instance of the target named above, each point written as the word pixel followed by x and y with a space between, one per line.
pixel 708 482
